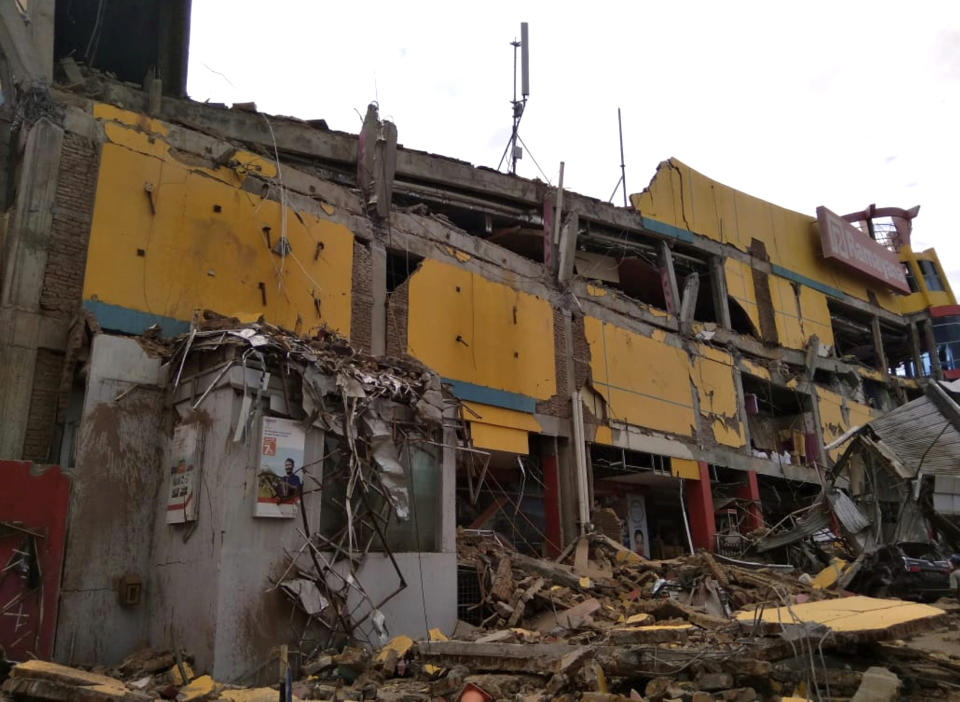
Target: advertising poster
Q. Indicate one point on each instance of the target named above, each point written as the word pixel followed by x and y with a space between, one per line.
pixel 279 474
pixel 637 524
pixel 182 496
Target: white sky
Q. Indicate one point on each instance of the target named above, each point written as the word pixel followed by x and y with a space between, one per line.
pixel 840 104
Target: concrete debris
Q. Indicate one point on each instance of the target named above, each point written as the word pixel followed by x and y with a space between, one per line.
pixel 603 639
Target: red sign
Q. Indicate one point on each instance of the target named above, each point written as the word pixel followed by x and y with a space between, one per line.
pixel 844 242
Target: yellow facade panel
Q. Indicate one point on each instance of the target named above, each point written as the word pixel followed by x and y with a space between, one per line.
pixel 471 329
pixel 684 468
pixel 167 240
pixel 838 414
pixel 500 416
pixel 712 375
pixel 494 438
pixel 646 382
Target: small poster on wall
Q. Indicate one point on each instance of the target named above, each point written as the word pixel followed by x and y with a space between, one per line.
pixel 637 523
pixel 279 474
pixel 184 459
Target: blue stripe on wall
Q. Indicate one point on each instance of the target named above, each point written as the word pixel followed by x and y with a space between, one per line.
pixel 804 280
pixel 492 396
pixel 679 234
pixel 128 321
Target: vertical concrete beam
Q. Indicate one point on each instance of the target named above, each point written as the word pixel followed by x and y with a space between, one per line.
pixel 931 343
pixel 551 496
pixel 24 264
pixel 742 407
pixel 378 316
pixel 23 59
pixel 718 284
pixel 699 499
pixel 41 29
pixel 568 246
pixel 881 355
pixel 750 490
pixel 915 351
pixel 671 289
pixel 691 288
pixel 567 475
pixel 448 485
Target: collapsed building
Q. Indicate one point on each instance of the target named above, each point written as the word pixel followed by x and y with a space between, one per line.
pixel 513 357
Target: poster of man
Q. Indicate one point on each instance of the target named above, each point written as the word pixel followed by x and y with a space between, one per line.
pixel 182 496
pixel 280 473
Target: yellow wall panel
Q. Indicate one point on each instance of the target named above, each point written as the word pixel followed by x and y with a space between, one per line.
pixel 645 381
pixel 838 414
pixel 494 438
pixel 471 329
pixel 684 468
pixel 499 416
pixel 684 198
pixel 195 257
pixel 713 378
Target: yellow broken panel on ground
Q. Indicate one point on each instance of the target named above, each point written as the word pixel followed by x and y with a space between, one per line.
pixel 829 575
pixel 401 644
pixel 866 616
pixel 201 687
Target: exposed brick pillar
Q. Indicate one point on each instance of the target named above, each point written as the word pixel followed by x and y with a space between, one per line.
pixel 551 495
pixel 750 490
pixel 699 496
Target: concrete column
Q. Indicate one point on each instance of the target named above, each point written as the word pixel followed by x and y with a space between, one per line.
pixel 551 496
pixel 448 487
pixel 931 343
pixel 750 490
pixel 915 351
pixel 41 30
pixel 567 478
pixel 718 283
pixel 22 326
pixel 699 499
pixel 671 291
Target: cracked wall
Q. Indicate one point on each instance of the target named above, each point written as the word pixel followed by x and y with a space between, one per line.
pixel 170 236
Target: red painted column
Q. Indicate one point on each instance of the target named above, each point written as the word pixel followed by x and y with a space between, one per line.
pixel 703 525
pixel 751 491
pixel 551 496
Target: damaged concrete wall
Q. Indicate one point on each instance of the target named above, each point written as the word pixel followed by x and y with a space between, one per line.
pixel 115 485
pixel 682 197
pixel 173 232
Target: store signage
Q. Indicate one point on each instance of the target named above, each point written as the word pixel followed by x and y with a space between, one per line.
pixel 845 243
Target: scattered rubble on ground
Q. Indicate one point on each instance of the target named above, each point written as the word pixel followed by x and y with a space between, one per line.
pixel 600 624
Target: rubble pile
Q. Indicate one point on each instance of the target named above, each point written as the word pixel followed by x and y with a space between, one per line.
pixel 599 624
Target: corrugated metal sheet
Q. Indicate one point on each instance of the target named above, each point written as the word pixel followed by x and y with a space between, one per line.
pixel 818 519
pixel 918 432
pixel 846 512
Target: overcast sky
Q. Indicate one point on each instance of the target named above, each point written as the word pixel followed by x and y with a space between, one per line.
pixel 840 104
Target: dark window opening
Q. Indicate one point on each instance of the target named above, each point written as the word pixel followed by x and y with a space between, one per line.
pixel 400 264
pixel 946 333
pixel 631 265
pixel 509 500
pixel 877 394
pixel 852 334
pixel 686 265
pixel 911 279
pixel 931 277
pixel 780 422
pixel 740 321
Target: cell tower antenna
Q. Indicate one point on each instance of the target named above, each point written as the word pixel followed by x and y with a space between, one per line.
pixel 518 104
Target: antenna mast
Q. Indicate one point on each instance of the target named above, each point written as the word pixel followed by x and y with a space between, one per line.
pixel 518 105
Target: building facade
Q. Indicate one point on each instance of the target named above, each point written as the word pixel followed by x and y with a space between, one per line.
pixel 673 372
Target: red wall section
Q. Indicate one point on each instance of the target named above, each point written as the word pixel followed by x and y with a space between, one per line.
pixel 33 501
